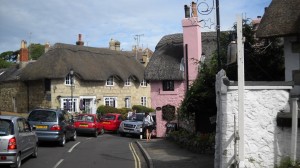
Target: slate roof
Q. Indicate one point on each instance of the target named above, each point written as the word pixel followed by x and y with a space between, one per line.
pixel 166 59
pixel 88 63
pixel 281 18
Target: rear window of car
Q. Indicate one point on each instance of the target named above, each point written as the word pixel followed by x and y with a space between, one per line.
pixel 109 117
pixel 43 116
pixel 85 118
pixel 6 127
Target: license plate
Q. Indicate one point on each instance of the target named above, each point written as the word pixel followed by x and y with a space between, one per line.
pixel 83 125
pixel 41 126
pixel 105 123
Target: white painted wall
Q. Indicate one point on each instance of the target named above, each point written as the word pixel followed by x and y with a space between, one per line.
pixel 265 142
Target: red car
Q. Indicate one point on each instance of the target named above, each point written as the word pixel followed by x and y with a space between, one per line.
pixel 111 121
pixel 88 124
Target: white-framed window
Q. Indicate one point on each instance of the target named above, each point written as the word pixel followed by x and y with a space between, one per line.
pixel 110 101
pixel 144 101
pixel 110 81
pixel 69 80
pixel 128 102
pixel 68 104
pixel 144 83
pixel 128 82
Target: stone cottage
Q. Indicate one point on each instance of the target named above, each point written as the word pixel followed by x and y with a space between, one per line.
pixel 76 78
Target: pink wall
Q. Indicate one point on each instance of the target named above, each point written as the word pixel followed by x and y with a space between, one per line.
pixel 192 37
pixel 161 98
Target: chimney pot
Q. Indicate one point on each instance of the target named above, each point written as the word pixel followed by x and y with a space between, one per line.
pixel 194 10
pixel 79 42
pixel 187 11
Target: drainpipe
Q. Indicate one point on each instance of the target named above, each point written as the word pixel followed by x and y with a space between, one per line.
pixel 187 67
pixel 294 130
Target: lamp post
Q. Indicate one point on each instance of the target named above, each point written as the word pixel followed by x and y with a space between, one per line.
pixel 71 82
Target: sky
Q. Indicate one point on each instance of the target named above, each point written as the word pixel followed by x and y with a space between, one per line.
pixel 131 22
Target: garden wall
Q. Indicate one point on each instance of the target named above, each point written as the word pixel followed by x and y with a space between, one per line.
pixel 265 142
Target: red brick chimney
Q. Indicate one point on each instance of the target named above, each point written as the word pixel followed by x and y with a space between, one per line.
pixel 79 42
pixel 24 52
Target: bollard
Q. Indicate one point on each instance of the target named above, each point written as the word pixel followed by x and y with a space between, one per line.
pixel 141 133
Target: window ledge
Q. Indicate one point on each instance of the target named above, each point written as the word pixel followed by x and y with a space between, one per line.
pixel 167 92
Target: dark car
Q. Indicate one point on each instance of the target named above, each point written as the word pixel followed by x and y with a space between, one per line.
pixel 88 124
pixel 53 125
pixel 17 140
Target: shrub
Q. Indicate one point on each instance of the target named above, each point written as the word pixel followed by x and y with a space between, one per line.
pixel 287 163
pixel 168 113
pixel 199 143
pixel 101 110
pixel 142 109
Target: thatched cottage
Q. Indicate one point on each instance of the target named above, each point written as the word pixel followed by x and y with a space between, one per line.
pixel 174 65
pixel 76 78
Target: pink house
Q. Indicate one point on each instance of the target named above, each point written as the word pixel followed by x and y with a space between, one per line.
pixel 173 65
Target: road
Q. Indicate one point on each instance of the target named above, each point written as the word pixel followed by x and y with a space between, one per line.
pixel 108 150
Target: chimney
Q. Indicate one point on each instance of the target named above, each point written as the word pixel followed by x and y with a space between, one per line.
pixel 112 44
pixel 192 45
pixel 47 47
pixel 117 45
pixel 194 10
pixel 79 42
pixel 187 11
pixel 23 54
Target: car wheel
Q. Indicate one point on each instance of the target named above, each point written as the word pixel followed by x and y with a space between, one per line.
pixel 102 131
pixel 62 142
pixel 74 137
pixel 17 164
pixel 35 152
pixel 96 133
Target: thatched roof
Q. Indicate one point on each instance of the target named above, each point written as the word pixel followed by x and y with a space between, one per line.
pixel 166 59
pixel 282 18
pixel 88 63
pixel 9 74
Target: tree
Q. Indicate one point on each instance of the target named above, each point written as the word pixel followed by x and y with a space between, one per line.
pixel 4 64
pixel 263 62
pixel 10 56
pixel 36 50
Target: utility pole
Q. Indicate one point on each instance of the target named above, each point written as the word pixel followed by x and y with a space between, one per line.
pixel 137 39
pixel 218 35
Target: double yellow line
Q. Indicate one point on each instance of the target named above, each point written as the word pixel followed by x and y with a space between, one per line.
pixel 137 162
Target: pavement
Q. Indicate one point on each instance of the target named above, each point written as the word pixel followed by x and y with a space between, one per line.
pixel 162 153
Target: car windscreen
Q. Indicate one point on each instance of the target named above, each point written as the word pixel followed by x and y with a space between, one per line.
pixel 6 127
pixel 86 118
pixel 139 117
pixel 109 117
pixel 42 116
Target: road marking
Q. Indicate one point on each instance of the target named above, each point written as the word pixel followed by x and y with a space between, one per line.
pixel 137 162
pixel 70 150
pixel 58 163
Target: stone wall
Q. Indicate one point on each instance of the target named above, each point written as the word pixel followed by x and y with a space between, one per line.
pixel 265 142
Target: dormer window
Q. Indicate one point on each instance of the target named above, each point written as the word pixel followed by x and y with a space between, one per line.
pixel 110 81
pixel 168 85
pixel 144 83
pixel 68 80
pixel 128 82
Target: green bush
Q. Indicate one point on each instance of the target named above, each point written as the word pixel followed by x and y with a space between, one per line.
pixel 199 143
pixel 142 109
pixel 287 163
pixel 124 111
pixel 102 110
pixel 168 113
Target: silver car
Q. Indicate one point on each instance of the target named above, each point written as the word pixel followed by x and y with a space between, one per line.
pixel 17 140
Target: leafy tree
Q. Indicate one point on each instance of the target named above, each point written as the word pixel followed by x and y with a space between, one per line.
pixel 36 50
pixel 10 56
pixel 4 64
pixel 263 62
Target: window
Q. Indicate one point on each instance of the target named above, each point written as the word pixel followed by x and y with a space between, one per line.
pixel 128 82
pixel 127 102
pixel 47 85
pixel 168 85
pixel 110 81
pixel 69 105
pixel 110 101
pixel 143 83
pixel 144 101
pixel 69 80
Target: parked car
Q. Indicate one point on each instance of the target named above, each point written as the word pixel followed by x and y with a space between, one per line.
pixel 53 125
pixel 88 124
pixel 133 125
pixel 111 121
pixel 17 140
